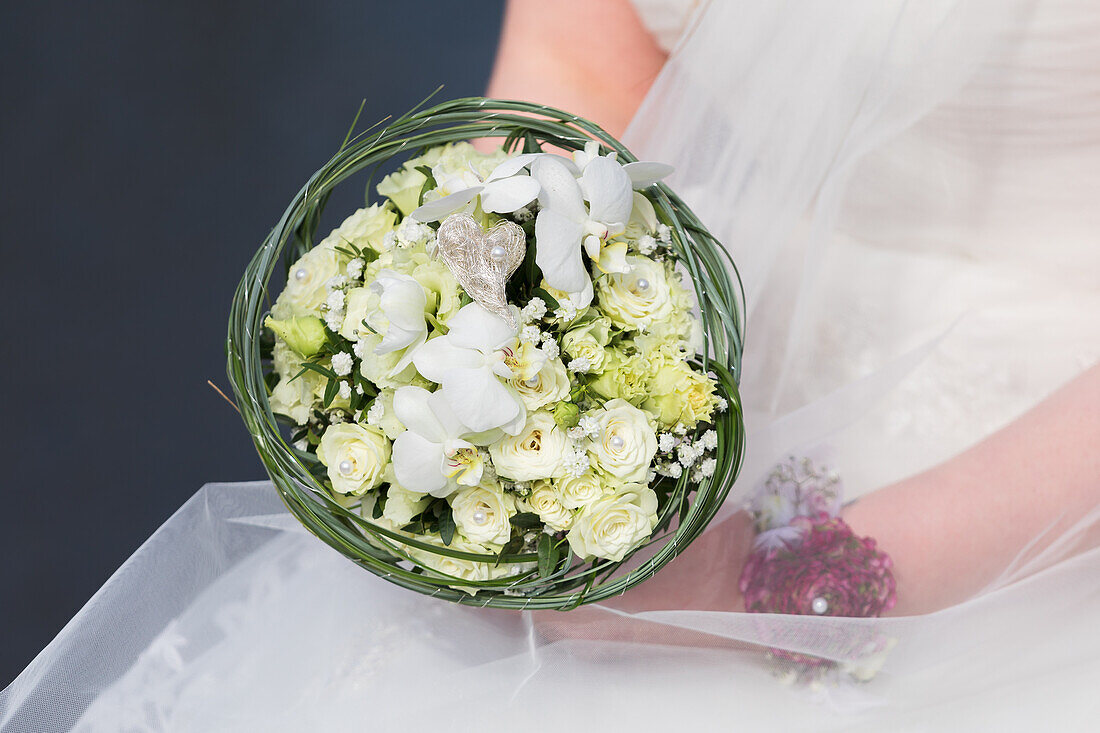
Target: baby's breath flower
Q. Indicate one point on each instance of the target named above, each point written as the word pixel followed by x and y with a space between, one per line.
pixel 335 300
pixel 389 240
pixel 575 433
pixel 530 333
pixel 707 467
pixel 345 390
pixel 376 412
pixel 334 319
pixel 647 244
pixel 590 425
pixel 664 234
pixel 672 469
pixel 721 404
pixel 687 453
pixel 358 387
pixel 575 462
pixel 709 440
pixel 534 310
pixel 336 282
pixel 566 310
pixel 341 363
pixel 550 346
pixel 579 365
pixel 666 442
pixel 355 268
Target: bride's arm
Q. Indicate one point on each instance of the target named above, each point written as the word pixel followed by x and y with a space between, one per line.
pixel 953 529
pixel 590 57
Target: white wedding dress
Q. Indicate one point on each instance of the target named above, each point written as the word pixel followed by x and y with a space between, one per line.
pixel 912 194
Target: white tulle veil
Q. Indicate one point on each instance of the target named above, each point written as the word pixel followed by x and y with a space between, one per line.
pixel 817 140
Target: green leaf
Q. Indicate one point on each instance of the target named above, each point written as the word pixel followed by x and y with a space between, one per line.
pixel 446 524
pixel 330 391
pixel 526 520
pixel 513 546
pixel 310 366
pixel 551 302
pixel 549 554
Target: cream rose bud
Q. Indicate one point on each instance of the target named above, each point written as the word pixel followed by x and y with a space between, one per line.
pixel 588 341
pixel 355 456
pixel 306 282
pixel 625 444
pixel 471 571
pixel 303 334
pixel 638 298
pixel 679 394
pixel 545 501
pixel 549 385
pixel 576 492
pixel 401 504
pixel 533 454
pixel 483 513
pixel 444 294
pixel 614 524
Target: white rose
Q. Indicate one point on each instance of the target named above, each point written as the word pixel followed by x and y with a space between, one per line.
pixel 626 442
pixel 533 454
pixel 381 415
pixel 545 501
pixel 636 299
pixel 483 513
pixel 465 570
pixel 614 524
pixel 401 504
pixel 576 492
pixel 403 188
pixel 295 398
pixel 306 289
pixel 355 456
pixel 549 385
pixel 364 229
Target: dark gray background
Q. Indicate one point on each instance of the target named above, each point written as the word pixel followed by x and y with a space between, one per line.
pixel 146 148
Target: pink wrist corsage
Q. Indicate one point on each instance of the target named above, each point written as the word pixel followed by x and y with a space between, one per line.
pixel 806 559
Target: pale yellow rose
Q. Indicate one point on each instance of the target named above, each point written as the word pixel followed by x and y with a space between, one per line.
pixel 679 394
pixel 545 501
pixel 401 504
pixel 470 571
pixel 533 454
pixel 549 385
pixel 588 341
pixel 403 188
pixel 576 492
pixel 355 457
pixel 444 294
pixel 365 228
pixel 624 376
pixel 637 299
pixel 614 524
pixel 625 444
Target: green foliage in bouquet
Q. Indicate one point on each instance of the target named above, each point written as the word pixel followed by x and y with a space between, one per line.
pixel 489 387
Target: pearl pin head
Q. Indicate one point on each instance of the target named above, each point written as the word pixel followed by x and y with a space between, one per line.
pixel 480 517
pixel 300 274
pixel 819 606
pixel 346 467
pixel 617 442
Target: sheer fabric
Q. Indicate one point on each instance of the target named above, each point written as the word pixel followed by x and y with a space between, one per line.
pixel 908 190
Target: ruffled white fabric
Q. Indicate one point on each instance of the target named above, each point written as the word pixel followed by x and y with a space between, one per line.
pixel 909 190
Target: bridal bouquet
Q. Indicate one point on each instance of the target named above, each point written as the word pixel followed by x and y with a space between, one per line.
pixel 493 385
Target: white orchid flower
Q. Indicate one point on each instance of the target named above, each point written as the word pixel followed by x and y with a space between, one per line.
pixel 470 364
pixel 564 224
pixel 506 189
pixel 431 456
pixel 642 173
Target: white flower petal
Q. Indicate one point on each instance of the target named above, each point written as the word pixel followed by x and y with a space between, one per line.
pixel 473 327
pixel 433 358
pixel 607 188
pixel 560 190
pixel 418 464
pixel 450 423
pixel 402 300
pixel 412 406
pixel 442 207
pixel 558 250
pixel 509 194
pixel 512 166
pixel 646 173
pixel 480 399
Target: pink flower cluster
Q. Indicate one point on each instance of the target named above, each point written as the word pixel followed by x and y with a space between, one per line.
pixel 824 563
